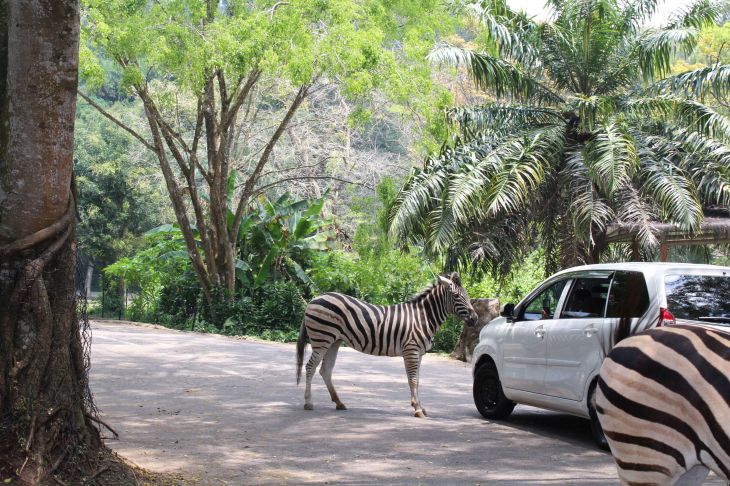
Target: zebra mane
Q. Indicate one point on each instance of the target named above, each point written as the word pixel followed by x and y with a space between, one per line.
pixel 416 298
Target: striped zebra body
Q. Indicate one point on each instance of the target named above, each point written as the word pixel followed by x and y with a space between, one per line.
pixel 405 329
pixel 663 401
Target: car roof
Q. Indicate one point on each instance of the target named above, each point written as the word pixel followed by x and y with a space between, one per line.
pixel 645 267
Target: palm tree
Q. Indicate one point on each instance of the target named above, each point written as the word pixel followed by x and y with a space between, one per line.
pixel 585 128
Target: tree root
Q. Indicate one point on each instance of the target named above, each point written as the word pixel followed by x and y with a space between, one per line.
pixel 101 422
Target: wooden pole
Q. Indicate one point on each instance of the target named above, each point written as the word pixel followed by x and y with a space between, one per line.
pixel 663 252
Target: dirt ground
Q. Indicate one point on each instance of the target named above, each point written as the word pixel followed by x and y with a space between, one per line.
pixel 222 410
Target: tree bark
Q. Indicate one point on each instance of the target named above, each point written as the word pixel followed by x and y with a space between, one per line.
pixel 45 417
pixel 486 309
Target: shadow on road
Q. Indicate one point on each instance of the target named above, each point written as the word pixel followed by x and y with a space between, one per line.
pixel 228 411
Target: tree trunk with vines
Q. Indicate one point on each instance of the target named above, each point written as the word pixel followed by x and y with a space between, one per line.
pixel 46 414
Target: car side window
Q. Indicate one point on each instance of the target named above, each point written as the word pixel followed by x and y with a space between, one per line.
pixel 543 305
pixel 587 298
pixel 629 296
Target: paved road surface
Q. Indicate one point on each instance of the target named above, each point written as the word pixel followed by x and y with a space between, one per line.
pixel 228 411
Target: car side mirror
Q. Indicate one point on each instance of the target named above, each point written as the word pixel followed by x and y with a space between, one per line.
pixel 508 311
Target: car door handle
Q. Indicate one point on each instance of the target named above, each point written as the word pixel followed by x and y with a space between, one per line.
pixel 590 331
pixel 540 332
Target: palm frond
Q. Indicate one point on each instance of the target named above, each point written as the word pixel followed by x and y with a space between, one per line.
pixel 419 195
pixel 657 47
pixel 496 114
pixel 588 210
pixel 633 210
pixel 672 190
pixel 702 13
pixel 713 80
pixel 441 228
pixel 523 168
pixel 636 13
pixel 611 158
pixel 507 30
pixel 708 162
pixel 686 113
pixel 491 73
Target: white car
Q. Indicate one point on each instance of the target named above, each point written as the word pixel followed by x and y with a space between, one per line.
pixel 547 350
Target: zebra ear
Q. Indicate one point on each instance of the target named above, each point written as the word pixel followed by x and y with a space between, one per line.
pixel 456 278
pixel 444 281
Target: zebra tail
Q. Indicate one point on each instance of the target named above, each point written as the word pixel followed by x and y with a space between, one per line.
pixel 301 344
pixel 623 330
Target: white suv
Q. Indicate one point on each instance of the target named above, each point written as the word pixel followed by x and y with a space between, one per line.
pixel 547 350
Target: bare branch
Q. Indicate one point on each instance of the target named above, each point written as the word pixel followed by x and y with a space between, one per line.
pixel 240 97
pixel 278 171
pixel 300 178
pixel 254 177
pixel 116 120
pixel 272 10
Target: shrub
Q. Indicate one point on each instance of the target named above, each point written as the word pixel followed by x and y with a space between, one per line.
pixel 386 277
pixel 445 339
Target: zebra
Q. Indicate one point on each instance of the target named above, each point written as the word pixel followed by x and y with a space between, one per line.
pixel 405 329
pixel 663 401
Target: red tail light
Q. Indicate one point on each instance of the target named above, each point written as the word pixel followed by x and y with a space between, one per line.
pixel 666 318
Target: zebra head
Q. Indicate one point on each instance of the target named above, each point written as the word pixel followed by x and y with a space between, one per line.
pixel 457 299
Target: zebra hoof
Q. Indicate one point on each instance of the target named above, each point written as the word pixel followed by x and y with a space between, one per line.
pixel 420 414
pixel 340 406
pixel 308 406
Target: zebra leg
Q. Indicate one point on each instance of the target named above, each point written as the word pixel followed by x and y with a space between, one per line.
pixel 328 363
pixel 412 360
pixel 312 364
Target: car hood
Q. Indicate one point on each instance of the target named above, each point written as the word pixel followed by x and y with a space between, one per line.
pixel 492 327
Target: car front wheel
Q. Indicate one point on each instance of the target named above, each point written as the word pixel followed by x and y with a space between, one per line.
pixel 488 394
pixel 596 430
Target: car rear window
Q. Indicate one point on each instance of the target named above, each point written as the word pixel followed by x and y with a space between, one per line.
pixel 699 297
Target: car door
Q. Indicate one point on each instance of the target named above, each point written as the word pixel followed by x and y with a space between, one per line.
pixel 575 340
pixel 524 350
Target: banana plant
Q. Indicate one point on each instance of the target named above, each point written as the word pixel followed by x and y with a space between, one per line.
pixel 278 237
pixel 275 239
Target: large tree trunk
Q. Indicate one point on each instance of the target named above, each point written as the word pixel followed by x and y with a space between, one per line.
pixel 45 420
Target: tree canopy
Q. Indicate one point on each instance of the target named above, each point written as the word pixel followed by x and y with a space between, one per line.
pixel 585 125
pixel 222 82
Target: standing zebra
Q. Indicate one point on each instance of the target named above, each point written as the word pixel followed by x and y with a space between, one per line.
pixel 663 401
pixel 405 329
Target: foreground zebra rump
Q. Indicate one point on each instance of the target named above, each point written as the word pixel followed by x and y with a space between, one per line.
pixel 663 401
pixel 405 329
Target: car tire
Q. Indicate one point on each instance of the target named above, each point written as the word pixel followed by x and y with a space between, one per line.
pixel 596 430
pixel 488 394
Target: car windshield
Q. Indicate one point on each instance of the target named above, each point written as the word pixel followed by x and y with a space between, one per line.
pixel 699 297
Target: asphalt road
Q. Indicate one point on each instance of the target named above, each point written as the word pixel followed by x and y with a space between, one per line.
pixel 228 411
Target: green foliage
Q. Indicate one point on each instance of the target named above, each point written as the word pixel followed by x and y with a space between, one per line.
pixel 375 271
pixel 118 197
pixel 585 126
pixel 180 303
pixel 277 242
pixel 296 41
pixel 448 334
pixel 274 312
pixel 510 288
pixel 712 45
pixel 383 278
pixel 112 303
pixel 278 237
pixel 150 270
